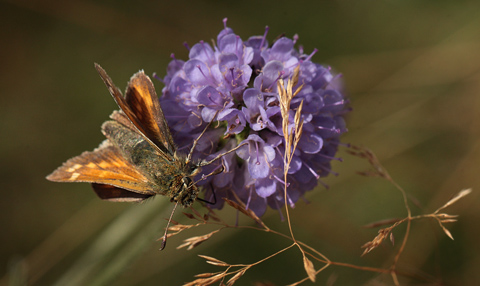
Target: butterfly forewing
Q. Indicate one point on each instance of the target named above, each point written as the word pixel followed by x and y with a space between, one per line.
pixel 105 165
pixel 142 108
pixel 143 101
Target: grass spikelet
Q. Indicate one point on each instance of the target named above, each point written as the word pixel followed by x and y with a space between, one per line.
pixel 196 240
pixel 308 265
pixel 453 200
pixel 246 212
pixel 213 261
pixel 235 277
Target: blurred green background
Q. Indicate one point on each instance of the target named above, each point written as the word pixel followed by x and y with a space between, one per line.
pixel 412 73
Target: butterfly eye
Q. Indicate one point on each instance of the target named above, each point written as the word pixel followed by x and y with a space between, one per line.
pixel 187 182
pixel 194 170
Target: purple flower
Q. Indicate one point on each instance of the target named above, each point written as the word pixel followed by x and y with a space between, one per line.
pixel 236 81
pixel 212 101
pixel 235 120
pixel 257 154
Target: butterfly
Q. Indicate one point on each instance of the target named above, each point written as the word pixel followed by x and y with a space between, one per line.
pixel 139 159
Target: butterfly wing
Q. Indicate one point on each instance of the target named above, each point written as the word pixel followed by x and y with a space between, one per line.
pixel 114 194
pixel 112 177
pixel 143 100
pixel 142 107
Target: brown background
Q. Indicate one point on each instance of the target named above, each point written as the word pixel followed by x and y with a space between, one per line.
pixel 412 71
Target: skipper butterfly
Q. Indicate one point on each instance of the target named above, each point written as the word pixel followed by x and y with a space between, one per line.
pixel 139 158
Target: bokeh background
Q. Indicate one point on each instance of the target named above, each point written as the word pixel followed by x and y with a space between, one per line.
pixel 412 73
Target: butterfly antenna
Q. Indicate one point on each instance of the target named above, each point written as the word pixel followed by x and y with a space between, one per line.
pixel 164 240
pixel 195 142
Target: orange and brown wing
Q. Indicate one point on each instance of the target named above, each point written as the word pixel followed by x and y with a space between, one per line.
pixel 112 177
pixel 143 100
pixel 142 107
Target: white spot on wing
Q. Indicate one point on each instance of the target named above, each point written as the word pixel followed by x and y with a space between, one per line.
pixel 74 176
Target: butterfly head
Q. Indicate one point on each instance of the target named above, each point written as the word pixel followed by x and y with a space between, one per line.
pixel 187 192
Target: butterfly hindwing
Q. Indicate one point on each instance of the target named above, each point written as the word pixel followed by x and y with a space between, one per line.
pixel 114 194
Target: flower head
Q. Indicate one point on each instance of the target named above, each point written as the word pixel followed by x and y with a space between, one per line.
pixel 236 81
